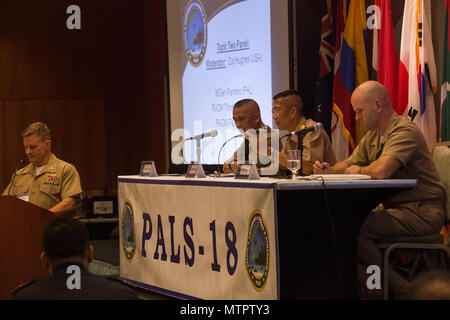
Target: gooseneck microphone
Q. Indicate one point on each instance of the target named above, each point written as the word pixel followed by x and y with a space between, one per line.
pixel 300 134
pixel 211 133
pixel 246 147
pixel 220 150
pixel 19 163
pixel 316 128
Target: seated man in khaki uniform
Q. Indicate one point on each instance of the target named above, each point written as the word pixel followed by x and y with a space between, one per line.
pixel 247 116
pixel 393 147
pixel 288 116
pixel 46 181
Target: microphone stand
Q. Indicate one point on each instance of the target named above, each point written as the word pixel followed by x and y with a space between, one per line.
pixel 220 150
pixel 14 176
pixel 300 147
pixel 198 149
pixel 246 151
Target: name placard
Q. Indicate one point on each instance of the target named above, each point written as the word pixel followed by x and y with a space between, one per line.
pixel 148 169
pixel 247 171
pixel 103 207
pixel 195 170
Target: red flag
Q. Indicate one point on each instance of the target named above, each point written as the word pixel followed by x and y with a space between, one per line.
pixel 417 82
pixel 387 55
pixel 350 71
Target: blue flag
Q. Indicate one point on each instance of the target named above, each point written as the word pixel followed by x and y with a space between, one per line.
pixel 324 85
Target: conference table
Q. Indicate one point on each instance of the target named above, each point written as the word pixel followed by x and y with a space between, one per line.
pixel 226 238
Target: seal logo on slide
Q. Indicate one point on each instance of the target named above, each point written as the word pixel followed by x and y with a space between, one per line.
pixel 195 32
pixel 128 238
pixel 257 253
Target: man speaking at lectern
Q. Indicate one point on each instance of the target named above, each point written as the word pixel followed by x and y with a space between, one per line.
pixel 46 181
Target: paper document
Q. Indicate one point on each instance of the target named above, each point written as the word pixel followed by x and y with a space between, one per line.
pixel 328 177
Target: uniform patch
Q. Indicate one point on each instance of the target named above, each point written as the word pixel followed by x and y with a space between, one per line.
pixel 127 231
pixel 195 32
pixel 257 251
pixel 51 179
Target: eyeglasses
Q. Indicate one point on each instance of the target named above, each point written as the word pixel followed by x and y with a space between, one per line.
pixel 277 110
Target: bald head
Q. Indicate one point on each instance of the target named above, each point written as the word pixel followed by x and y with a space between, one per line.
pixel 246 115
pixel 249 105
pixel 372 107
pixel 372 90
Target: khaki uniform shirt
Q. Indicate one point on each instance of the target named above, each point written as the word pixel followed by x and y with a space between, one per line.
pixel 403 141
pixel 57 180
pixel 316 145
pixel 261 159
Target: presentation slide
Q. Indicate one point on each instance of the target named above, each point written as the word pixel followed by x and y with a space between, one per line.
pixel 221 52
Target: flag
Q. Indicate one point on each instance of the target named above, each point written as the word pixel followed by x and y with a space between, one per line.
pixel 444 126
pixel 417 80
pixel 385 58
pixel 339 134
pixel 374 70
pixel 350 71
pixel 324 86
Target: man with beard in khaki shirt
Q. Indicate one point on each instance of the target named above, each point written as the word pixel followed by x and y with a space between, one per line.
pixel 393 147
pixel 288 115
pixel 47 182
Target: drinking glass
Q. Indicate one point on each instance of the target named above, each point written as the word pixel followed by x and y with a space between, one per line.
pixel 293 162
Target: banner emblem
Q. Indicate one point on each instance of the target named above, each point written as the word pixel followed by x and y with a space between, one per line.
pixel 195 32
pixel 128 238
pixel 257 251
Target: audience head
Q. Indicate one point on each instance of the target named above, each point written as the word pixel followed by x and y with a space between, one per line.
pixel 65 240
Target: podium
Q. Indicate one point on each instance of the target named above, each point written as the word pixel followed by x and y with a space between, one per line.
pixel 21 225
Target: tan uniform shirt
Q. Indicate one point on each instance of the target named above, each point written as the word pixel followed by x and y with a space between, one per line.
pixel 57 180
pixel 316 145
pixel 403 141
pixel 261 159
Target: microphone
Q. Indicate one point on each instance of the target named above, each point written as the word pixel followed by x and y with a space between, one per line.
pixel 316 128
pixel 211 133
pixel 220 150
pixel 246 149
pixel 15 173
pixel 247 146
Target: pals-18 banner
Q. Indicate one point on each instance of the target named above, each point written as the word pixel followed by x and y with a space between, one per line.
pixel 207 241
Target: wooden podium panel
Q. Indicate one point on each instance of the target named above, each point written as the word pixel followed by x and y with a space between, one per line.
pixel 21 225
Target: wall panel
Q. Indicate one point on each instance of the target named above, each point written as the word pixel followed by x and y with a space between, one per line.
pixel 78 134
pixel 100 89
